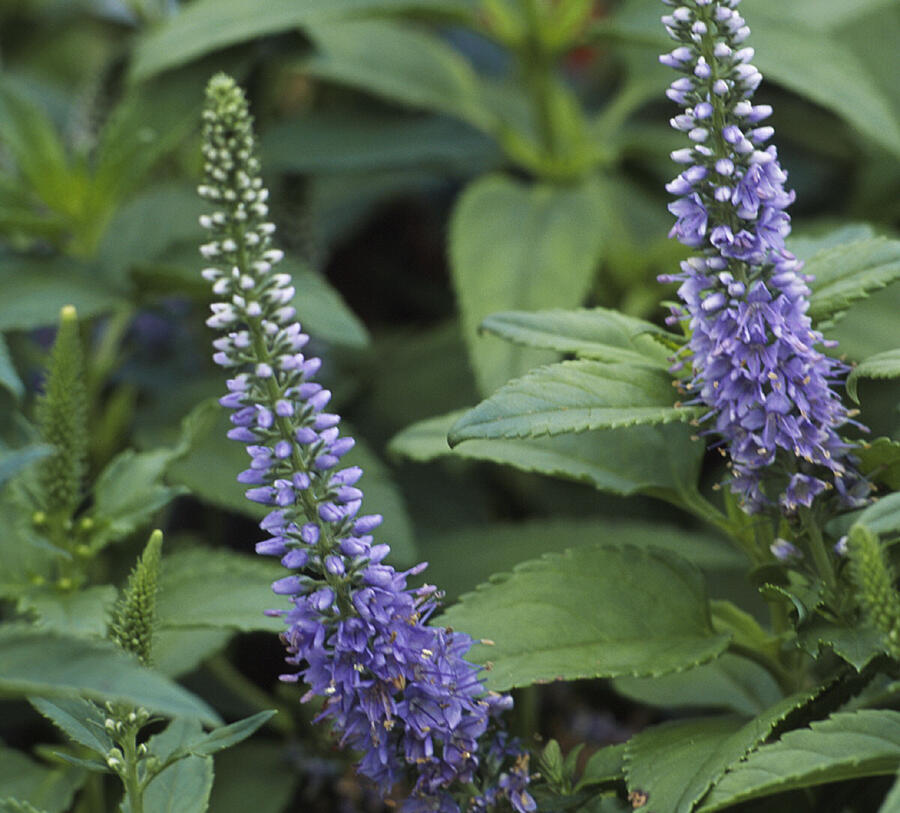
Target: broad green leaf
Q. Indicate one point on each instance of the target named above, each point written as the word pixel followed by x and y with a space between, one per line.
pixel 80 613
pixel 730 682
pixel 145 226
pixel 661 461
pixel 827 15
pixel 460 560
pixel 870 326
pixel 179 650
pixel 806 245
pixel 254 776
pixel 47 664
pixel 18 806
pixel 848 272
pixel 574 396
pixel 793 53
pixel 9 378
pixel 80 720
pixel 34 291
pixel 217 588
pixel 355 141
pixel 883 516
pixel 604 766
pixel 882 365
pixel 208 25
pixel 400 63
pixel 14 461
pixel 223 737
pixel 129 492
pixel 518 246
pixel 857 644
pixel 183 787
pixel 880 461
pixel 821 68
pixel 848 745
pixel 323 311
pixel 598 611
pixel 45 788
pixel 598 333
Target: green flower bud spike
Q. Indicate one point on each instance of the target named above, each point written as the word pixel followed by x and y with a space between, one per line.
pixel 875 579
pixel 134 615
pixel 62 418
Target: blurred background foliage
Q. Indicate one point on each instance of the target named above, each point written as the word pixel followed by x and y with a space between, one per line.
pixel 431 162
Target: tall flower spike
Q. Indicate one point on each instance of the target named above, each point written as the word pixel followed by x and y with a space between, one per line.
pixel 396 690
pixel 753 350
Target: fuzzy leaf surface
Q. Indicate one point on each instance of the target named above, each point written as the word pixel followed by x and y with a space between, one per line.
pixel 847 745
pixel 591 612
pixel 849 272
pixel 597 333
pixel 656 460
pixel 80 720
pixel 573 396
pixel 881 365
pixel 45 664
pixel 515 246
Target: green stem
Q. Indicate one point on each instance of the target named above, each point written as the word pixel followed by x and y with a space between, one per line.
pixel 818 550
pixel 130 778
pixel 537 66
pixel 702 508
pixel 785 677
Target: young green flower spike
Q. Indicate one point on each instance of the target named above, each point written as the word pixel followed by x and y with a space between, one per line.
pixel 875 582
pixel 62 419
pixel 396 690
pixel 134 615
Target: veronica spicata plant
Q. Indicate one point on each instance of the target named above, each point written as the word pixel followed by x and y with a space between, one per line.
pixel 396 690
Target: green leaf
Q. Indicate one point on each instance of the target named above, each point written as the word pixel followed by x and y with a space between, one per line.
pixel 400 63
pixel 591 612
pixel 128 493
pixel 730 682
pixel 660 461
pixel 323 311
pixel 604 766
pixel 883 516
pixel 179 650
pixel 357 141
pixel 254 776
pixel 460 560
pixel 824 70
pixel 47 664
pixel 50 789
pixel 881 365
pixel 80 720
pixel 224 737
pixel 208 25
pixel 9 378
pixel 17 806
pixel 848 745
pixel 184 786
pixel 573 396
pixel 858 644
pixel 515 246
pixel 13 462
pixel 598 333
pixel 807 244
pixel 891 803
pixel 34 291
pixel 81 613
pixel 828 15
pixel 216 588
pixel 849 272
pixel 880 461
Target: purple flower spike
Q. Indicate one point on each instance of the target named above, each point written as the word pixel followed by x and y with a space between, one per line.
pixel 752 348
pixel 396 690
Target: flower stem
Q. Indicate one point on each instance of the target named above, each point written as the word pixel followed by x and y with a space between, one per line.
pixel 818 550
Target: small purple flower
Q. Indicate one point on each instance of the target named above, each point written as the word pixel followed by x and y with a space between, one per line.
pixel 753 350
pixel 396 690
